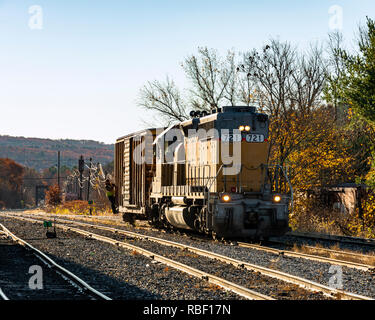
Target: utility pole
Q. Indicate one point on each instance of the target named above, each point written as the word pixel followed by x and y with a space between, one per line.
pixel 88 183
pixel 36 196
pixel 81 168
pixel 58 169
pixel 88 189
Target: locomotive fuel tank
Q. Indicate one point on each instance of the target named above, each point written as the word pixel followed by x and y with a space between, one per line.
pixel 180 217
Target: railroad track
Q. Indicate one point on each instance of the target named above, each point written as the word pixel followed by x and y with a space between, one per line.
pixel 62 284
pixel 301 282
pixel 316 254
pixel 3 296
pixel 294 254
pixel 306 235
pixel 225 284
pixel 334 238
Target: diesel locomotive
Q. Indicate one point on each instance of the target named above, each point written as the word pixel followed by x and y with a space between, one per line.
pixel 210 174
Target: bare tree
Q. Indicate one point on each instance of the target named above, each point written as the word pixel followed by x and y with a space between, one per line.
pixel 165 99
pixel 247 89
pixel 335 70
pixel 213 81
pixel 229 78
pixel 287 86
pixel 277 78
pixel 270 72
pixel 308 80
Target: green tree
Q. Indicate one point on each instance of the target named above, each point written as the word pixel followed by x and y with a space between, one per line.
pixel 358 83
pixel 351 89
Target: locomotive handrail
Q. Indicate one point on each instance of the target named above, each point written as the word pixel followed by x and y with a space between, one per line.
pixel 277 166
pixel 214 178
pixel 190 178
pixel 208 189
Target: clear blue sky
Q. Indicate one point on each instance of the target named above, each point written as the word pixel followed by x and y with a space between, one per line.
pixel 79 76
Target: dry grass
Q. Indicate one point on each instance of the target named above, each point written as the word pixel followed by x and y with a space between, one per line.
pixel 76 207
pixel 273 264
pixel 319 221
pixel 214 287
pixel 186 253
pixel 286 290
pixel 138 224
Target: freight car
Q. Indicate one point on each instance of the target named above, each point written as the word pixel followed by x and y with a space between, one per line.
pixel 210 174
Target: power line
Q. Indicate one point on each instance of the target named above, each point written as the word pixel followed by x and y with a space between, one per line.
pixel 44 178
pixel 41 160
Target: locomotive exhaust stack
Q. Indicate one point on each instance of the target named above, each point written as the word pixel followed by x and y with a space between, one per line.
pixel 209 174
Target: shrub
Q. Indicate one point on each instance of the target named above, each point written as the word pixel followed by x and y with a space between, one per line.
pixel 53 196
pixel 311 216
pixel 80 207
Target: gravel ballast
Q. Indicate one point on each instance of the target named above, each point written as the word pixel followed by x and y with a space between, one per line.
pixel 118 273
pixel 353 280
pixel 18 271
pixel 252 280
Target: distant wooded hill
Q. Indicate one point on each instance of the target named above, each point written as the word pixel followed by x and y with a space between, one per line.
pixel 42 153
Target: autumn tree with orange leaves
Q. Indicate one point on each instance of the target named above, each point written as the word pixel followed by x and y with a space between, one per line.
pixel 11 180
pixel 53 196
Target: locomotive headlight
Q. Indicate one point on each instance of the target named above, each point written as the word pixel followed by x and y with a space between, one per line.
pixel 247 128
pixel 241 128
pixel 226 198
pixel 276 198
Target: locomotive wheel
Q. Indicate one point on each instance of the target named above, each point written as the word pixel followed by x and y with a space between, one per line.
pixel 202 221
pixel 198 224
pixel 217 237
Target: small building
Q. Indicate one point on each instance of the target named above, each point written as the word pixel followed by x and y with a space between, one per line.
pixel 343 197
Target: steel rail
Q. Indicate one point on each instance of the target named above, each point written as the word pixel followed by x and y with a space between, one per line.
pixel 336 252
pixel 81 283
pixel 343 239
pixel 349 264
pixel 322 250
pixel 227 285
pixel 2 295
pixel 73 216
pixel 294 254
pixel 301 282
